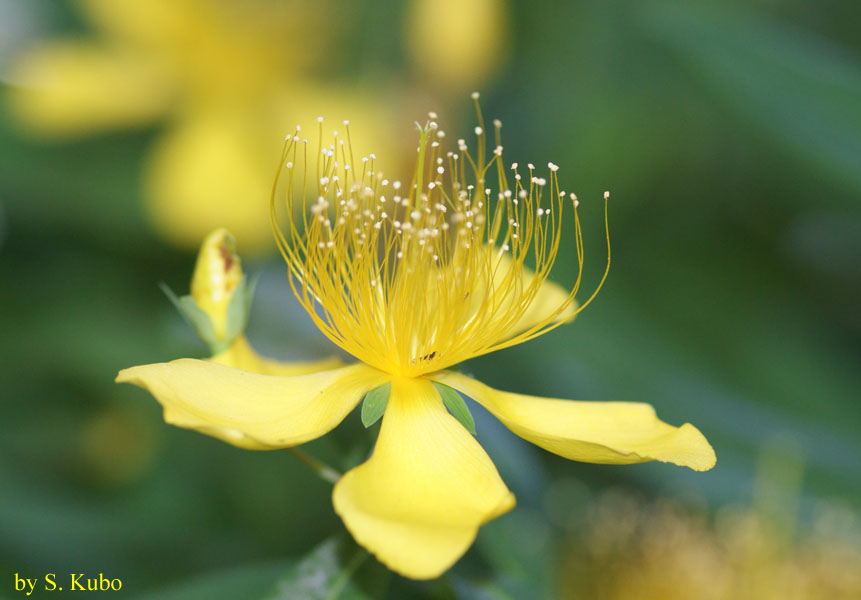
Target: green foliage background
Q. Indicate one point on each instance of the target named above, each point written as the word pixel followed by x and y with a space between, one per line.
pixel 729 134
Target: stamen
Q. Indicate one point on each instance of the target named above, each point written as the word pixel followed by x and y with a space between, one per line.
pixel 432 273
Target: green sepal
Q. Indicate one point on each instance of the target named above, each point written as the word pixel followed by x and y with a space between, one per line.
pixel 195 316
pixel 456 406
pixel 375 403
pixel 240 307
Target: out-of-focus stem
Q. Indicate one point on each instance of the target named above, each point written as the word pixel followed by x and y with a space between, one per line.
pixel 325 472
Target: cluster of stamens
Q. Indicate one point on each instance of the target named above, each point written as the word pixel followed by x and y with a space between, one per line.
pixel 412 277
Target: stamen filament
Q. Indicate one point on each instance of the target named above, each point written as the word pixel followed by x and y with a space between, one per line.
pixel 415 280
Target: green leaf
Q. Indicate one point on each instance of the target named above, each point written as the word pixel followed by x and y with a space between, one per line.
pixel 456 406
pixel 337 568
pixel 328 572
pixel 195 316
pixel 250 289
pixel 237 311
pixel 245 582
pixel 239 308
pixel 489 589
pixel 801 89
pixel 375 404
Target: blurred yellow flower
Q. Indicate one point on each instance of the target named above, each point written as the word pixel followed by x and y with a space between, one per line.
pixel 456 44
pixel 228 75
pixel 633 551
pixel 412 279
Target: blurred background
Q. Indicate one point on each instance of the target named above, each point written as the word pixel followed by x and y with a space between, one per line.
pixel 729 134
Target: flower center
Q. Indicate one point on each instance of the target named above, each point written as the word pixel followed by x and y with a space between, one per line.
pixel 415 278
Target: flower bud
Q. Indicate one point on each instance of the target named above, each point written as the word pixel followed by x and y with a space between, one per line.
pixel 217 274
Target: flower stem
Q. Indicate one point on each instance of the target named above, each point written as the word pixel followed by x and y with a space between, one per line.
pixel 325 472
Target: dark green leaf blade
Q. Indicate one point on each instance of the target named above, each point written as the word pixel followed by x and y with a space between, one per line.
pixel 253 581
pixel 326 573
pixel 456 406
pixel 374 404
pixel 803 91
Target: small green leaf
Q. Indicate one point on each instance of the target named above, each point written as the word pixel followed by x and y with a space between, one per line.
pixel 375 404
pixel 199 320
pixel 330 572
pixel 456 406
pixel 195 316
pixel 237 311
pixel 250 289
pixel 170 295
pixel 239 308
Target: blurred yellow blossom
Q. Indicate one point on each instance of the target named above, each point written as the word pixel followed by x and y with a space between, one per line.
pixel 457 44
pixel 226 76
pixel 631 550
pixel 412 279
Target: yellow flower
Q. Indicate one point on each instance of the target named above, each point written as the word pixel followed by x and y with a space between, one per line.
pixel 662 551
pixel 458 43
pixel 412 278
pixel 221 74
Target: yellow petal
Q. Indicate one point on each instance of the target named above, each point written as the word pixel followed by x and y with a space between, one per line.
pixel 214 47
pixel 145 23
pixel 69 88
pixel 458 43
pixel 597 432
pixel 242 356
pixel 418 501
pixel 371 123
pixel 212 170
pixel 248 410
pixel 549 297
